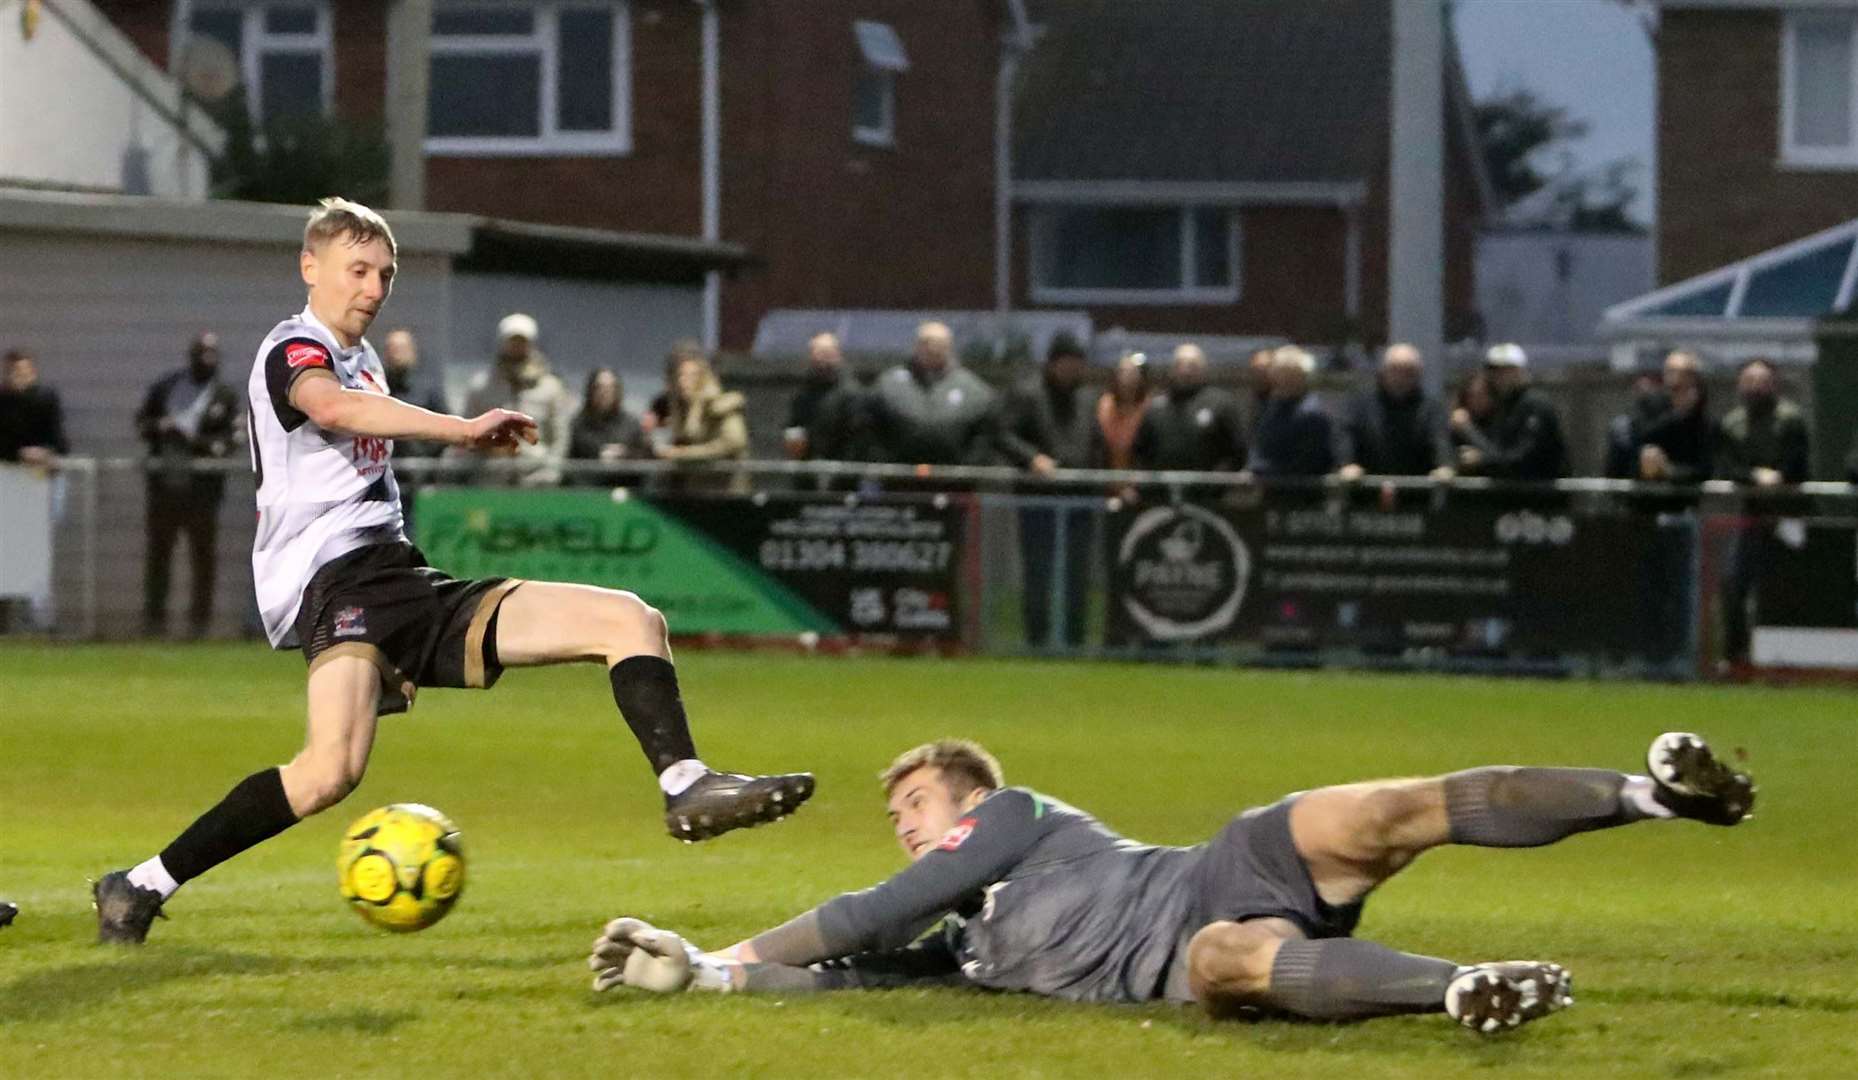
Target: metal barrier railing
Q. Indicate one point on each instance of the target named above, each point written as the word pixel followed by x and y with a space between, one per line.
pixel 100 544
pixel 998 476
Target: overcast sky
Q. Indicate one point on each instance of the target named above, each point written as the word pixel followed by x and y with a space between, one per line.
pixel 1590 56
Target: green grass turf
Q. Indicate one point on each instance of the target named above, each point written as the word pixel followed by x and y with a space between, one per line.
pixel 1697 952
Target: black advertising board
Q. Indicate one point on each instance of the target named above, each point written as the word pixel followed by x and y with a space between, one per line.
pixel 1484 580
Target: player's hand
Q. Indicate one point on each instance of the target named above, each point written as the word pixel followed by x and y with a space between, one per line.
pixel 632 952
pixel 500 428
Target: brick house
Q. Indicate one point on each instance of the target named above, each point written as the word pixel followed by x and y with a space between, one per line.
pixel 1757 231
pixel 856 148
pixel 1222 168
pixel 1758 127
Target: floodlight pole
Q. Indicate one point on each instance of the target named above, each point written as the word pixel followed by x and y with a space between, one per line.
pixel 1416 184
pixel 409 47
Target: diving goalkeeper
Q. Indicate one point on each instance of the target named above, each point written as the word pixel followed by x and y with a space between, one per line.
pixel 1012 890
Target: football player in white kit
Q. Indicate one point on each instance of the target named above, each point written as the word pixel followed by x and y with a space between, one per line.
pixel 336 575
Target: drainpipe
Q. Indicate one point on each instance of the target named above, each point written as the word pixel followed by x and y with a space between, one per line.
pixel 1013 48
pixel 712 169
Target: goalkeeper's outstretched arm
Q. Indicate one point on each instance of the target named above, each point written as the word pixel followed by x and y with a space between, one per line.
pixel 991 840
pixel 632 952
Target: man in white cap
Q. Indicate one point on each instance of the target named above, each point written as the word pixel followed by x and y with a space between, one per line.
pixel 521 380
pixel 1525 440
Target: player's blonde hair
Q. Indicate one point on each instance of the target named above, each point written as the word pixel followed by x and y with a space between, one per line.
pixel 342 219
pixel 965 765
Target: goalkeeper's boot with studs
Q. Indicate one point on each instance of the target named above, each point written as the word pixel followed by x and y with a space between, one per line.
pixel 125 910
pixel 8 912
pixel 1692 782
pixel 1489 998
pixel 718 802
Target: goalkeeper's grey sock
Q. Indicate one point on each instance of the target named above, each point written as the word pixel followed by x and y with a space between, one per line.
pixel 1508 806
pixel 1349 979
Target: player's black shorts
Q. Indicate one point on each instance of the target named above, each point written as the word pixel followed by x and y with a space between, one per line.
pixel 417 625
pixel 1251 870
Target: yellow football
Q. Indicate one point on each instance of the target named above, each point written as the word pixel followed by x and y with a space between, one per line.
pixel 401 867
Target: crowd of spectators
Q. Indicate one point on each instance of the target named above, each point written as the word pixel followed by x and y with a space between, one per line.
pixel 933 411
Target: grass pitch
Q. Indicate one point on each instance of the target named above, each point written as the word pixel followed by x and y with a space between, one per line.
pixel 1696 952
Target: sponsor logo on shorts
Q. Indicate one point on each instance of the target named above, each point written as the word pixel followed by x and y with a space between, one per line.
pixel 304 354
pixel 350 622
pixel 954 837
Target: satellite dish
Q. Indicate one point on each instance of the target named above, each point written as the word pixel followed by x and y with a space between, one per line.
pixel 208 69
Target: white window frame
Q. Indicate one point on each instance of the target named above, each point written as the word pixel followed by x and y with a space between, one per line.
pixel 254 42
pixel 883 64
pixel 1815 157
pixel 542 42
pixel 1186 293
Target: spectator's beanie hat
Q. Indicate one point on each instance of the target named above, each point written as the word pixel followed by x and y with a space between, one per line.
pixel 1507 354
pixel 516 325
pixel 1063 344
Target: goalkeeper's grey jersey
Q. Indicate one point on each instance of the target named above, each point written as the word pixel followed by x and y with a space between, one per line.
pixel 1041 897
pixel 321 494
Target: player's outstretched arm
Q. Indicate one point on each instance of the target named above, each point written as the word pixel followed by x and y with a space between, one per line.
pixel 979 851
pixel 632 952
pixel 333 407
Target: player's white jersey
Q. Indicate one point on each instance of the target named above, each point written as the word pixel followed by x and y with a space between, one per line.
pixel 320 494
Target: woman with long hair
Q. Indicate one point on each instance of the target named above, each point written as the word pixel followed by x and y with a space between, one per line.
pixel 706 424
pixel 1120 411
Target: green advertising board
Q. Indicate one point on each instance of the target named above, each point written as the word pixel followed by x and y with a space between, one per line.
pixel 594 538
pixel 770 564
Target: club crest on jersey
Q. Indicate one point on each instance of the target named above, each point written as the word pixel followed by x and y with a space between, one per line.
pixel 957 835
pixel 350 622
pixel 304 354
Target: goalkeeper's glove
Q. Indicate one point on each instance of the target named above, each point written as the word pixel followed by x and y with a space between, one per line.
pixel 632 952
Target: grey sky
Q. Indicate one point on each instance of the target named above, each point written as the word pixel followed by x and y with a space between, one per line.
pixel 1590 56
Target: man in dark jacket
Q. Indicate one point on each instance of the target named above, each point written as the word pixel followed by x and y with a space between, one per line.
pixel 1394 428
pixel 1625 433
pixel 1192 426
pixel 1677 443
pixel 1050 424
pixel 1673 443
pixel 1764 441
pixel 32 421
pixel 933 411
pixel 825 421
pixel 1525 441
pixel 1763 444
pixel 188 415
pixel 1295 436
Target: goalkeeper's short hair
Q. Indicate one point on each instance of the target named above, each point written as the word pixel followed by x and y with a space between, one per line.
pixel 965 764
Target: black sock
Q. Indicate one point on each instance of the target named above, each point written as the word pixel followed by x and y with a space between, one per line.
pixel 254 811
pixel 1349 979
pixel 645 689
pixel 1507 806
